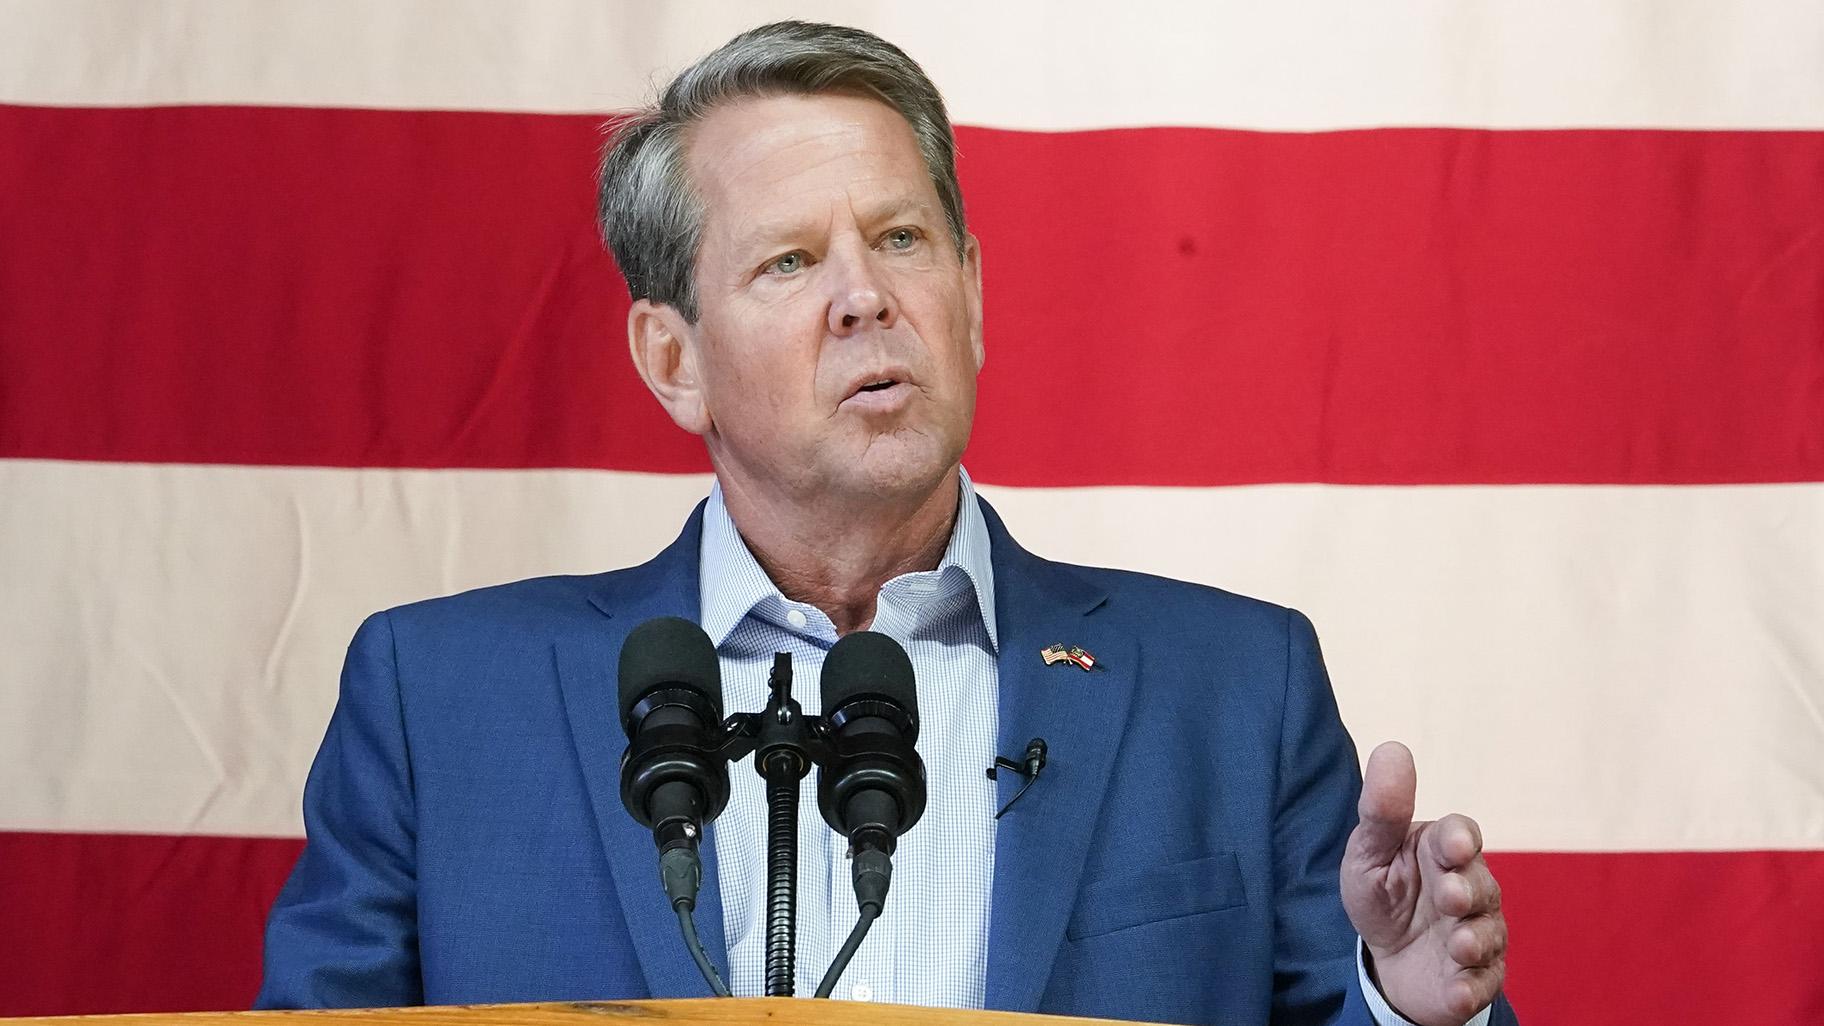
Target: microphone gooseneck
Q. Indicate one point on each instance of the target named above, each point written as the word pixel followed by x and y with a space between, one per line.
pixel 782 755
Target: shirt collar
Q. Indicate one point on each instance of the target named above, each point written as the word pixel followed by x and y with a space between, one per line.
pixel 731 581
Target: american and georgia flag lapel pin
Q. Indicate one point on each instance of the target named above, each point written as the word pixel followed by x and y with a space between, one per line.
pixel 1061 653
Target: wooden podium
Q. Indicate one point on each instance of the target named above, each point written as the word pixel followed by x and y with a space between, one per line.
pixel 693 1012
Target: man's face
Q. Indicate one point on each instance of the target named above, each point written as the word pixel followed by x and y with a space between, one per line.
pixel 839 335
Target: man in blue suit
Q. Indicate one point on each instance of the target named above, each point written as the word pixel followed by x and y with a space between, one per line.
pixel 808 300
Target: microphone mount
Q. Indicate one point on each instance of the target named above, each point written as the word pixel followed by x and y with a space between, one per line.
pixel 785 744
pixel 873 791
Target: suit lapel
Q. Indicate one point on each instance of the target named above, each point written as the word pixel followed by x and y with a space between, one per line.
pixel 1042 842
pixel 1040 846
pixel 587 666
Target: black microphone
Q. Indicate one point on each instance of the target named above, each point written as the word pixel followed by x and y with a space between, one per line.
pixel 673 781
pixel 1036 751
pixel 872 789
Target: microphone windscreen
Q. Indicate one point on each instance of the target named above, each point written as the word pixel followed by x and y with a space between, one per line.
pixel 872 664
pixel 669 651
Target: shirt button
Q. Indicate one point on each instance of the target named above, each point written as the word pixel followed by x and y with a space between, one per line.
pixel 862 992
pixel 796 618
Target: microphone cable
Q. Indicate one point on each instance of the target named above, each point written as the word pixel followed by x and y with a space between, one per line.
pixel 1036 751
pixel 688 923
pixel 872 871
pixel 680 870
pixel 849 947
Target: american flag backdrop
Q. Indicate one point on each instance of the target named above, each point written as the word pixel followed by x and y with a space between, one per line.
pixel 1490 334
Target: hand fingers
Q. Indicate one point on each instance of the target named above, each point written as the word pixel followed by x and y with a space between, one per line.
pixel 1478 942
pixel 1389 792
pixel 1469 891
pixel 1473 989
pixel 1453 841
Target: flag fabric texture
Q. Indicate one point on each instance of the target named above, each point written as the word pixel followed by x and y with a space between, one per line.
pixel 1489 335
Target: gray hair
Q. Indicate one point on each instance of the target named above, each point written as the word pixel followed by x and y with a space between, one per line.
pixel 651 218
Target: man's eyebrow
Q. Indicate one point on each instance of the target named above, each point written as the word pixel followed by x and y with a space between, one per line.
pixel 767 234
pixel 894 208
pixel 764 235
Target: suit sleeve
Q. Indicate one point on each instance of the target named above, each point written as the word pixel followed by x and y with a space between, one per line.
pixel 343 932
pixel 1316 977
pixel 1316 784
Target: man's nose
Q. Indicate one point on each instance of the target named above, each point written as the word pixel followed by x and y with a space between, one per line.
pixel 860 298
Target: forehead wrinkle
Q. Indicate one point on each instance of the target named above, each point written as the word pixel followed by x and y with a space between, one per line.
pixel 745 153
pixel 749 159
pixel 747 234
pixel 865 210
pixel 770 159
pixel 873 210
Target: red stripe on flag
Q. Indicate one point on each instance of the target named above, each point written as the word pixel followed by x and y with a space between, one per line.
pixel 391 288
pixel 1673 938
pixel 106 923
pixel 100 923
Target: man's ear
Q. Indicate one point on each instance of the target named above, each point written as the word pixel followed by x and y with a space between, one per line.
pixel 664 348
pixel 972 275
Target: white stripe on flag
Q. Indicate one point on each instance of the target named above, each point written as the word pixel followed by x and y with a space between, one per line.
pixel 1583 668
pixel 1038 65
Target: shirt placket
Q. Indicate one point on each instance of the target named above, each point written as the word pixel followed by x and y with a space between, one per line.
pixel 879 977
pixel 818 900
pixel 910 954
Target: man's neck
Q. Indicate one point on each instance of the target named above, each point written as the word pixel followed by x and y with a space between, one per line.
pixel 837 557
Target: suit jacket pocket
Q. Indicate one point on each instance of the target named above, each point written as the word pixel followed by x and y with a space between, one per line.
pixel 1113 903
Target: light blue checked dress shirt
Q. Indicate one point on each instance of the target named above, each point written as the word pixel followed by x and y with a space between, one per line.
pixel 930 946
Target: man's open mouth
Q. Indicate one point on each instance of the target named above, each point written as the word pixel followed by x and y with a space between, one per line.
pixel 883 387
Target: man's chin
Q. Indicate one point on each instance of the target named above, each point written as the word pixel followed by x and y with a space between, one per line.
pixel 858 470
pixel 895 468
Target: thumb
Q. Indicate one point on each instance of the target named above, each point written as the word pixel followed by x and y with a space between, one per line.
pixel 1389 793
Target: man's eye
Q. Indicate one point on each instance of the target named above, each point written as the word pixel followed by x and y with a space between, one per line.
pixel 902 238
pixel 790 263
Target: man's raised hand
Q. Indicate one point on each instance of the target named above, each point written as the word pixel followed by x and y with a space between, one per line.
pixel 1423 900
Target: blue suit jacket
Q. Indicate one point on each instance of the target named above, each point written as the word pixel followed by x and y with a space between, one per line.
pixel 1176 862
